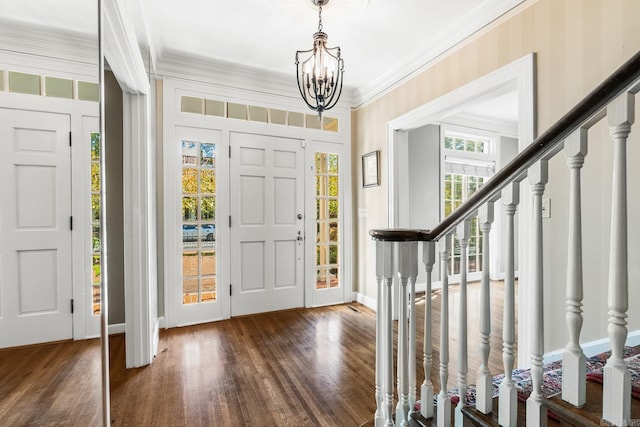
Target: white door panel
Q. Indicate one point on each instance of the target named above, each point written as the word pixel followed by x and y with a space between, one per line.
pixel 35 235
pixel 267 246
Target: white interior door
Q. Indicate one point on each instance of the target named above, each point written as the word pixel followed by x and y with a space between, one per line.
pixel 35 234
pixel 267 223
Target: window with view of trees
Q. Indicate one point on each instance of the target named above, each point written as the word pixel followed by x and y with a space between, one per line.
pixel 468 165
pixel 96 263
pixel 327 221
pixel 198 222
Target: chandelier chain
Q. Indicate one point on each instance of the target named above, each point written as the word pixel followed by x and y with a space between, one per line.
pixel 320 19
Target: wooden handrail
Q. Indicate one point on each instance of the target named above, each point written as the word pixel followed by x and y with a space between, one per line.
pixel 578 116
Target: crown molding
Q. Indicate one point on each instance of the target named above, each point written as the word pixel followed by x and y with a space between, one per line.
pixel 183 66
pixel 34 49
pixel 476 121
pixel 483 17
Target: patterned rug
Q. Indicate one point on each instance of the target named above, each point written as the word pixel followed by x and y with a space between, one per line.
pixel 552 377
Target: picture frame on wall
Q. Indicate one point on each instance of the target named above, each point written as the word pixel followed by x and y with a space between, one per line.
pixel 370 169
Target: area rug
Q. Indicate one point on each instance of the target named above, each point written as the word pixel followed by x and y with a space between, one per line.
pixel 552 377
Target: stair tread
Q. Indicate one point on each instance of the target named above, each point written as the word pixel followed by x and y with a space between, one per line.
pixel 591 412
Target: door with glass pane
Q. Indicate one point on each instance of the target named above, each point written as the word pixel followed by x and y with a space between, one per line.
pixel 326 225
pixel 200 298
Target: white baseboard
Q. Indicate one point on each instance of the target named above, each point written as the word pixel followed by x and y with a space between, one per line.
pixel 116 328
pixel 594 347
pixel 155 339
pixel 364 300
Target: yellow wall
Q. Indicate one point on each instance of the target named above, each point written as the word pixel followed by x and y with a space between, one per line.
pixel 577 43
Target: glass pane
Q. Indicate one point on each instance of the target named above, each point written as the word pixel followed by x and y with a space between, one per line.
pixel 333 186
pixel 189 208
pixel 208 263
pixel 313 122
pixel 189 104
pixel 458 144
pixel 96 270
pixel 278 117
pixel 190 263
pixel 333 232
pixel 333 163
pixel 320 255
pixel 296 119
pixel 1 80
pixel 95 284
pixel 470 146
pixel 95 238
pixel 59 88
pixel 213 108
pixel 208 235
pixel 333 254
pixel 448 143
pixel 189 290
pixel 318 208
pixel 207 181
pixel 321 163
pixel 24 83
pixel 95 146
pixel 95 208
pixel 208 208
pixel 207 155
pixel 321 278
pixel 333 209
pixel 189 180
pixel 88 91
pixel 333 278
pixel 480 147
pixel 321 185
pixel 258 114
pixel 189 235
pixel 330 124
pixel 208 289
pixel 236 111
pixel 189 153
pixel 95 177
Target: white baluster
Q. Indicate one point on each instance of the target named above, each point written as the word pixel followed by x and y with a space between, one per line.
pixel 462 232
pixel 508 398
pixel 384 349
pixel 384 269
pixel 426 391
pixel 444 402
pixel 484 389
pixel 407 268
pixel 412 330
pixel 617 381
pixel 536 411
pixel 573 359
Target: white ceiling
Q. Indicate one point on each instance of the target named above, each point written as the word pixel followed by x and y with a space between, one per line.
pixel 382 41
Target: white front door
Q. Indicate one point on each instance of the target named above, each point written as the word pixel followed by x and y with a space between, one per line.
pixel 35 233
pixel 267 223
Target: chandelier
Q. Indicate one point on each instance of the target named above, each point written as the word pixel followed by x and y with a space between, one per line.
pixel 319 70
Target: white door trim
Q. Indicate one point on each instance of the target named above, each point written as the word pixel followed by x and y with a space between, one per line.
pixel 172 90
pixel 518 75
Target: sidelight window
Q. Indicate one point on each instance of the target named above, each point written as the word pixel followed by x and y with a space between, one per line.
pixel 198 222
pixel 327 221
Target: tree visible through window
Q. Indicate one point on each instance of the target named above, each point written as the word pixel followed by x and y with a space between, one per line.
pixel 327 221
pixel 467 165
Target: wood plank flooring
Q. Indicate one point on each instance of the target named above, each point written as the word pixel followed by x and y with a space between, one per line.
pixel 306 367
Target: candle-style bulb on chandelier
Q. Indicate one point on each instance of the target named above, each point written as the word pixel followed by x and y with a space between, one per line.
pixel 319 70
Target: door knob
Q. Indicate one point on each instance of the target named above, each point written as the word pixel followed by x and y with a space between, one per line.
pixel 299 216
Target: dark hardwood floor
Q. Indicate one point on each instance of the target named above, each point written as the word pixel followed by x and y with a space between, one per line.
pixel 306 367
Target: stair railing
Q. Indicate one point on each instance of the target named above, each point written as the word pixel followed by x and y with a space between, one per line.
pixel 613 99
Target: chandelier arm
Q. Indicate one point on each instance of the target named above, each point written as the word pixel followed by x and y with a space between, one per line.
pixel 302 90
pixel 333 99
